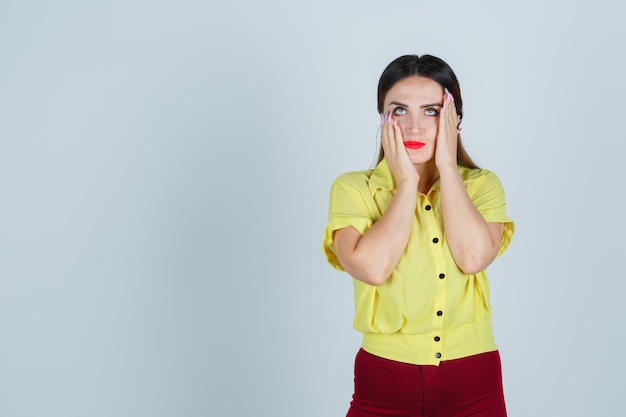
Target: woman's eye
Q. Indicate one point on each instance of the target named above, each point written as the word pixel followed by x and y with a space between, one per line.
pixel 399 111
pixel 431 112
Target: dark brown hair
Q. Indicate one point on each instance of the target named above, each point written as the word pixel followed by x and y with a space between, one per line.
pixel 431 67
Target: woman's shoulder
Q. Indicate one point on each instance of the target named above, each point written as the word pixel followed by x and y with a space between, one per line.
pixel 479 180
pixel 476 174
pixel 355 178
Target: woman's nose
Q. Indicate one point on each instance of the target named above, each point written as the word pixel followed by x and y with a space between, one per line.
pixel 414 126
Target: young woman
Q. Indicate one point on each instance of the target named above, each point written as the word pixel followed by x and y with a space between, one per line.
pixel 417 233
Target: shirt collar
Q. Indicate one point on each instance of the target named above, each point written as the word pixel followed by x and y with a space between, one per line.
pixel 381 178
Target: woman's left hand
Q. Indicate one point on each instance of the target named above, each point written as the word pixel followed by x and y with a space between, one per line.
pixel 445 154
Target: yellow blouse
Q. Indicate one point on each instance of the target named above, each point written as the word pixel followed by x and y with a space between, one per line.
pixel 428 310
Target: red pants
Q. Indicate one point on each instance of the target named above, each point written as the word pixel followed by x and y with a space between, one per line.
pixel 469 386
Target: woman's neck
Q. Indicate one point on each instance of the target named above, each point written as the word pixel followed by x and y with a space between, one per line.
pixel 429 174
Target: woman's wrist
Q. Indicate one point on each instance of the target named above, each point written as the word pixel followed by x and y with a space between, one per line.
pixel 447 169
pixel 407 185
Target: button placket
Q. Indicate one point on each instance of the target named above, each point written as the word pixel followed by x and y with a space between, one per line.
pixel 434 237
pixel 437 346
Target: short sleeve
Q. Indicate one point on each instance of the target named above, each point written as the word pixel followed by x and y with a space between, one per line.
pixel 487 194
pixel 349 205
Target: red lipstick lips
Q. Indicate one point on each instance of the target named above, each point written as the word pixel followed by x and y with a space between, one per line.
pixel 414 145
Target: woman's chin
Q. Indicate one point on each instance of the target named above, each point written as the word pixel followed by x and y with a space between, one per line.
pixel 419 159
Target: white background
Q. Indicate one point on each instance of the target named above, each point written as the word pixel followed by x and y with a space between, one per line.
pixel 164 178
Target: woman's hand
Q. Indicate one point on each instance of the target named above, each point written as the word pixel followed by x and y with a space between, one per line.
pixel 445 153
pixel 396 155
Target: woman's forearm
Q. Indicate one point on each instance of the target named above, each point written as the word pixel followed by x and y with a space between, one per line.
pixel 373 256
pixel 472 241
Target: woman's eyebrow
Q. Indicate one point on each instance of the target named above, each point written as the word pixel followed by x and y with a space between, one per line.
pixel 423 106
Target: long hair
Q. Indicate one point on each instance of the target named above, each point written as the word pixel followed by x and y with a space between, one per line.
pixel 431 67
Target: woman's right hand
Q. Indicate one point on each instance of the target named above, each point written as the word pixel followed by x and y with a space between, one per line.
pixel 396 155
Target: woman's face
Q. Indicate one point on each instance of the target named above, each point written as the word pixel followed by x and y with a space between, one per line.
pixel 415 103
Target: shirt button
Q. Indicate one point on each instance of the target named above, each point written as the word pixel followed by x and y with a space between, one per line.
pixel 435 240
pixel 437 338
pixel 442 276
pixel 437 355
pixel 440 313
pixel 428 207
